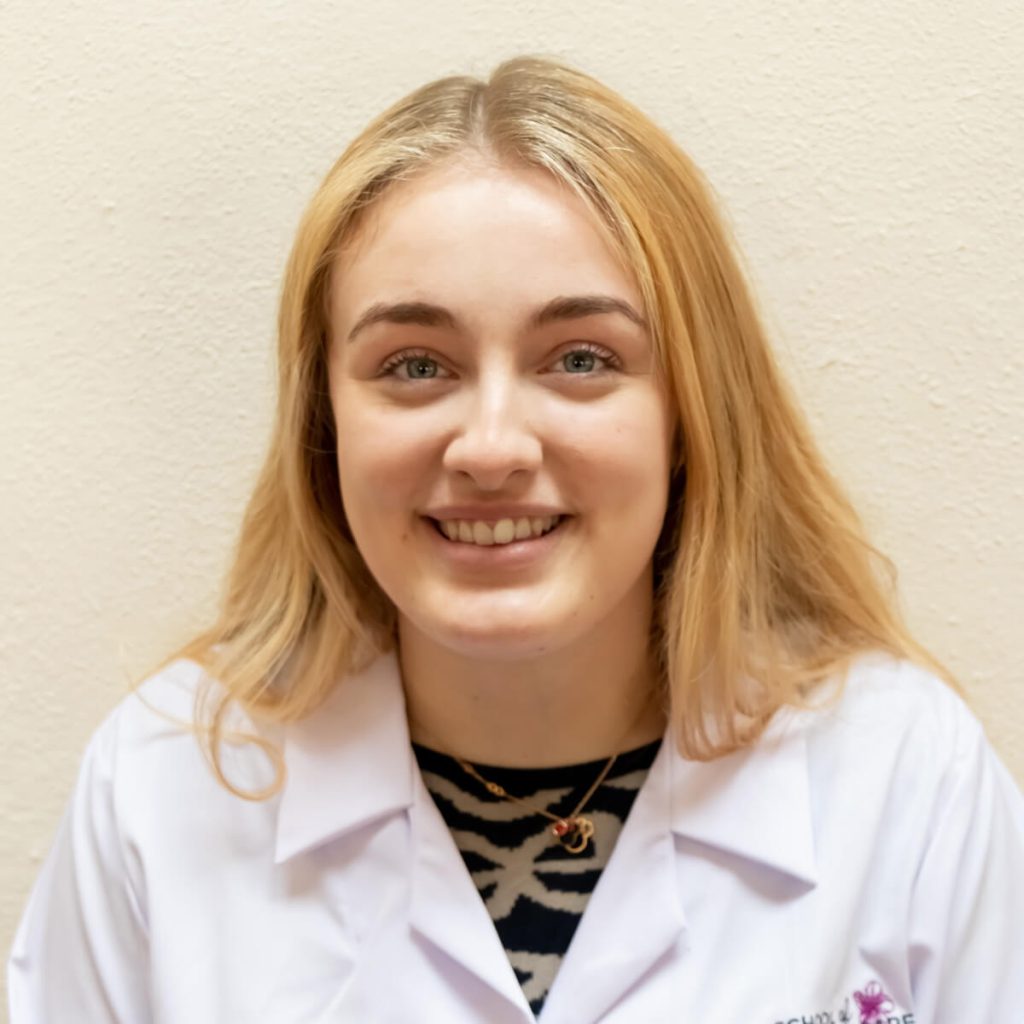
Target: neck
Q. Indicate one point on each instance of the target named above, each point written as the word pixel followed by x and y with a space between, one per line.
pixel 592 698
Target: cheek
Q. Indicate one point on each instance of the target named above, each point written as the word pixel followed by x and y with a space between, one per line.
pixel 375 493
pixel 627 452
pixel 381 457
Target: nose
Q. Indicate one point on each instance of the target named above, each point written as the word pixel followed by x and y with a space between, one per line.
pixel 494 438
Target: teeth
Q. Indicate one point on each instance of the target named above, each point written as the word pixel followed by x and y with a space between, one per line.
pixel 502 532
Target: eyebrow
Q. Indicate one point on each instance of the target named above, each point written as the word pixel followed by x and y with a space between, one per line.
pixel 566 307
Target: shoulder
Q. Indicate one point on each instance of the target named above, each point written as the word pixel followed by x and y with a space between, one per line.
pixel 150 748
pixel 885 707
pixel 177 700
pixel 892 743
pixel 156 715
pixel 908 794
pixel 160 708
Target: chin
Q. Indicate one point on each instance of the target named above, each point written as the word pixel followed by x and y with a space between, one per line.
pixel 507 641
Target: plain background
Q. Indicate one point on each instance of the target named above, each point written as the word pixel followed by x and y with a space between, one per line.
pixel 154 161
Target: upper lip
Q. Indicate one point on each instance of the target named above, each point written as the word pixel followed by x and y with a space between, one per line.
pixel 489 512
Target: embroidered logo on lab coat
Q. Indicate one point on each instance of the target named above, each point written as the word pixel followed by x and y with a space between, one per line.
pixel 872 1003
pixel 868 1005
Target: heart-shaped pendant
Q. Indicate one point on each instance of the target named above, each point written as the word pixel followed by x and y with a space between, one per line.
pixel 574 833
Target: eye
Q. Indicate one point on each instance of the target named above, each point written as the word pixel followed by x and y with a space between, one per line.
pixel 422 366
pixel 580 359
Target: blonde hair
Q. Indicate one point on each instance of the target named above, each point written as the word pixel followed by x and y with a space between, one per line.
pixel 764 582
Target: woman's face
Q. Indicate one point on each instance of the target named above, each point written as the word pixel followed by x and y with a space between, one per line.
pixel 488 372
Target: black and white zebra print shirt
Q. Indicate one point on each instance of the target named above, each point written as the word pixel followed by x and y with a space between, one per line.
pixel 534 889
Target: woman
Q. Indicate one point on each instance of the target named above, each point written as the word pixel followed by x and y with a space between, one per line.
pixel 536 499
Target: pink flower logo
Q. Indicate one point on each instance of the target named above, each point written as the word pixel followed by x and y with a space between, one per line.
pixel 872 1003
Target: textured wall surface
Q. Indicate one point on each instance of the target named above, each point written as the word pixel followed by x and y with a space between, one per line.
pixel 154 160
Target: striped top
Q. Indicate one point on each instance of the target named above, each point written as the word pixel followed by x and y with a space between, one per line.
pixel 534 889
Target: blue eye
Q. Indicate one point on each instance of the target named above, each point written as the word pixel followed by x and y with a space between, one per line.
pixel 584 360
pixel 421 366
pixel 581 360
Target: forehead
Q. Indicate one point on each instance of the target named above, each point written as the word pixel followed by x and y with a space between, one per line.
pixel 473 231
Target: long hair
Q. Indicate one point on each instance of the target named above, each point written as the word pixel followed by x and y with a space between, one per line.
pixel 765 584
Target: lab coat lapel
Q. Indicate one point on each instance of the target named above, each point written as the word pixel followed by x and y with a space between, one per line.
pixel 754 804
pixel 348 764
pixel 634 916
pixel 447 910
pixel 351 764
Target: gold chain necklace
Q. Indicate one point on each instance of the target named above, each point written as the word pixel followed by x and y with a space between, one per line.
pixel 574 831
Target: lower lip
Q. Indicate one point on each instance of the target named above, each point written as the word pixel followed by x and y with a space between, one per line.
pixel 492 556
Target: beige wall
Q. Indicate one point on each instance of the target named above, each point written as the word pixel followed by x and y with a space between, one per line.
pixel 154 159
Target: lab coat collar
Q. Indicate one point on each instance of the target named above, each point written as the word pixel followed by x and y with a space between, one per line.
pixel 349 763
pixel 754 803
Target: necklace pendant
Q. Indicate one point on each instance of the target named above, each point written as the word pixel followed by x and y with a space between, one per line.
pixel 573 833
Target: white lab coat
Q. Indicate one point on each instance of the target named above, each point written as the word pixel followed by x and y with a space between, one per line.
pixel 869 856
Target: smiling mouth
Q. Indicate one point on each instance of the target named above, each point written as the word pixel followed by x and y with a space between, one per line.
pixel 499 534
